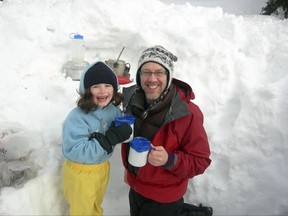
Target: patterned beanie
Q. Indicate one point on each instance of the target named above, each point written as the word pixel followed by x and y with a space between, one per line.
pixel 160 55
pixel 97 73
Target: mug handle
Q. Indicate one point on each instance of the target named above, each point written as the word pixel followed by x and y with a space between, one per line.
pixel 127 67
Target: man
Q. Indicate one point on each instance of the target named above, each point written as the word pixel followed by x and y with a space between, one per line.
pixel 164 115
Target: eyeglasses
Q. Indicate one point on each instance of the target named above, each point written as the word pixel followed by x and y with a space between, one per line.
pixel 146 73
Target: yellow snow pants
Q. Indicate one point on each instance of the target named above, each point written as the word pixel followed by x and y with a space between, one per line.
pixel 84 187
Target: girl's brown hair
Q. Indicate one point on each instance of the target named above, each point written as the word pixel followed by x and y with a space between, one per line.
pixel 86 103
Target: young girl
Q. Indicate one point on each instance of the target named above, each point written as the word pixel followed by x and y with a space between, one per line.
pixel 89 137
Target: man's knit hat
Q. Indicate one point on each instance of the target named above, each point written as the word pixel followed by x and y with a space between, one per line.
pixel 97 73
pixel 160 55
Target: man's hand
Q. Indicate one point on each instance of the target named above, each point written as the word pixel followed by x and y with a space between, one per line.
pixel 158 157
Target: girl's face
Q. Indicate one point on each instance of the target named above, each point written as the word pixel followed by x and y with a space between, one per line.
pixel 102 94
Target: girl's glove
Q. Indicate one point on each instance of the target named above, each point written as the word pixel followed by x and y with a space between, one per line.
pixel 113 136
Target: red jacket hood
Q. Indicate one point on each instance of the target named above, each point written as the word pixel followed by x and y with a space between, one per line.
pixel 186 90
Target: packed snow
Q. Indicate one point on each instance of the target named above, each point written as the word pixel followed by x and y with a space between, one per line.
pixel 235 60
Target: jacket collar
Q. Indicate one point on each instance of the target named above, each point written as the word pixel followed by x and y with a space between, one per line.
pixel 178 107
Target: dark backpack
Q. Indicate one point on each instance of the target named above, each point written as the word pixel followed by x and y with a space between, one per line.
pixel 192 210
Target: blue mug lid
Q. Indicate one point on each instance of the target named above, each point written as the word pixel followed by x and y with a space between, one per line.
pixel 140 144
pixel 126 119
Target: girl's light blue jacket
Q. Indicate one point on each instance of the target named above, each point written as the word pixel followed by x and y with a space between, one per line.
pixel 77 128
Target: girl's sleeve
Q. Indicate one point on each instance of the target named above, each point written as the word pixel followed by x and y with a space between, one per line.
pixel 76 144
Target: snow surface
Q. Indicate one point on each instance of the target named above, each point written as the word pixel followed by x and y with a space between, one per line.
pixel 235 60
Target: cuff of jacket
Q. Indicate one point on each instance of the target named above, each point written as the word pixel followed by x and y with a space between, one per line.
pixel 172 158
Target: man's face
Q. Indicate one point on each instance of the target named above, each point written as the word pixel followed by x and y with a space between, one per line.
pixel 153 78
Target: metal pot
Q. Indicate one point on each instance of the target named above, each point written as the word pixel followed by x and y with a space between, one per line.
pixel 120 67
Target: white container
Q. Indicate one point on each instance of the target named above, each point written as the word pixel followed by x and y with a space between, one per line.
pixel 139 149
pixel 77 48
pixel 75 66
